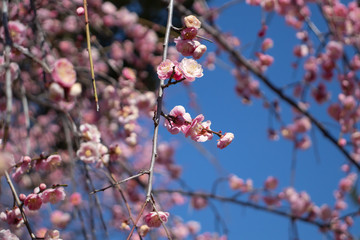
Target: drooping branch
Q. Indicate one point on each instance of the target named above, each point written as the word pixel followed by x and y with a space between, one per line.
pixel 241 60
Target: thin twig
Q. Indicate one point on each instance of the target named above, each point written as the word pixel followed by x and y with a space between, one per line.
pixel 87 28
pixel 120 182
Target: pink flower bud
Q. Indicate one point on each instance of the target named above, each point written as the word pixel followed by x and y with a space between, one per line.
pixel 42 186
pixel 199 202
pixel 80 11
pixel 267 44
pixel 192 21
pixel 271 183
pixel 152 219
pixel 225 140
pixel 199 51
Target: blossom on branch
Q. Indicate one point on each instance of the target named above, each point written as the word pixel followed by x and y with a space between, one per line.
pixel 198 130
pixel 225 140
pixel 192 21
pixel 152 219
pixel 168 69
pixel 179 120
pixel 64 73
pixel 191 69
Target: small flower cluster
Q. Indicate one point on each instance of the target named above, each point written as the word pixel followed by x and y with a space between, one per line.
pixel 41 195
pixel 42 163
pixel 64 89
pixel 179 120
pixel 187 69
pixel 92 150
pixel 186 43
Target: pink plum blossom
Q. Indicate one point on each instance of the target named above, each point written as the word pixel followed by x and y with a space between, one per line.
pixel 198 202
pixel 76 199
pixel 52 235
pixel 199 51
pixel 53 195
pixel 63 73
pixel 152 219
pixel 5 234
pixel 90 132
pixel 191 69
pixel 52 161
pixel 33 201
pixel 198 130
pixel 80 11
pixel 12 217
pixel 189 33
pixel 17 32
pixel 180 120
pixel 192 21
pixel 225 140
pixel 168 68
pixel 60 219
pixel 235 182
pixel 56 92
pixel 23 168
pixel 186 47
pixel 271 183
pixel 267 44
pixel 88 152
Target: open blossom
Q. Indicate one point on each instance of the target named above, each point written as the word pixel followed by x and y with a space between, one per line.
pixel 88 152
pixel 198 130
pixel 90 132
pixel 152 218
pixel 53 195
pixel 192 21
pixel 12 217
pixel 7 235
pixel 225 140
pixel 23 168
pixel 64 73
pixel 33 201
pixel 180 120
pixel 191 69
pixel 17 32
pixel 167 68
pixel 60 219
pixel 52 235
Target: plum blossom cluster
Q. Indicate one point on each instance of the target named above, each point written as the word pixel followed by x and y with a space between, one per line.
pixel 41 195
pixel 91 149
pixel 186 43
pixel 178 120
pixel 64 89
pixel 45 163
pixel 299 203
pixel 297 132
